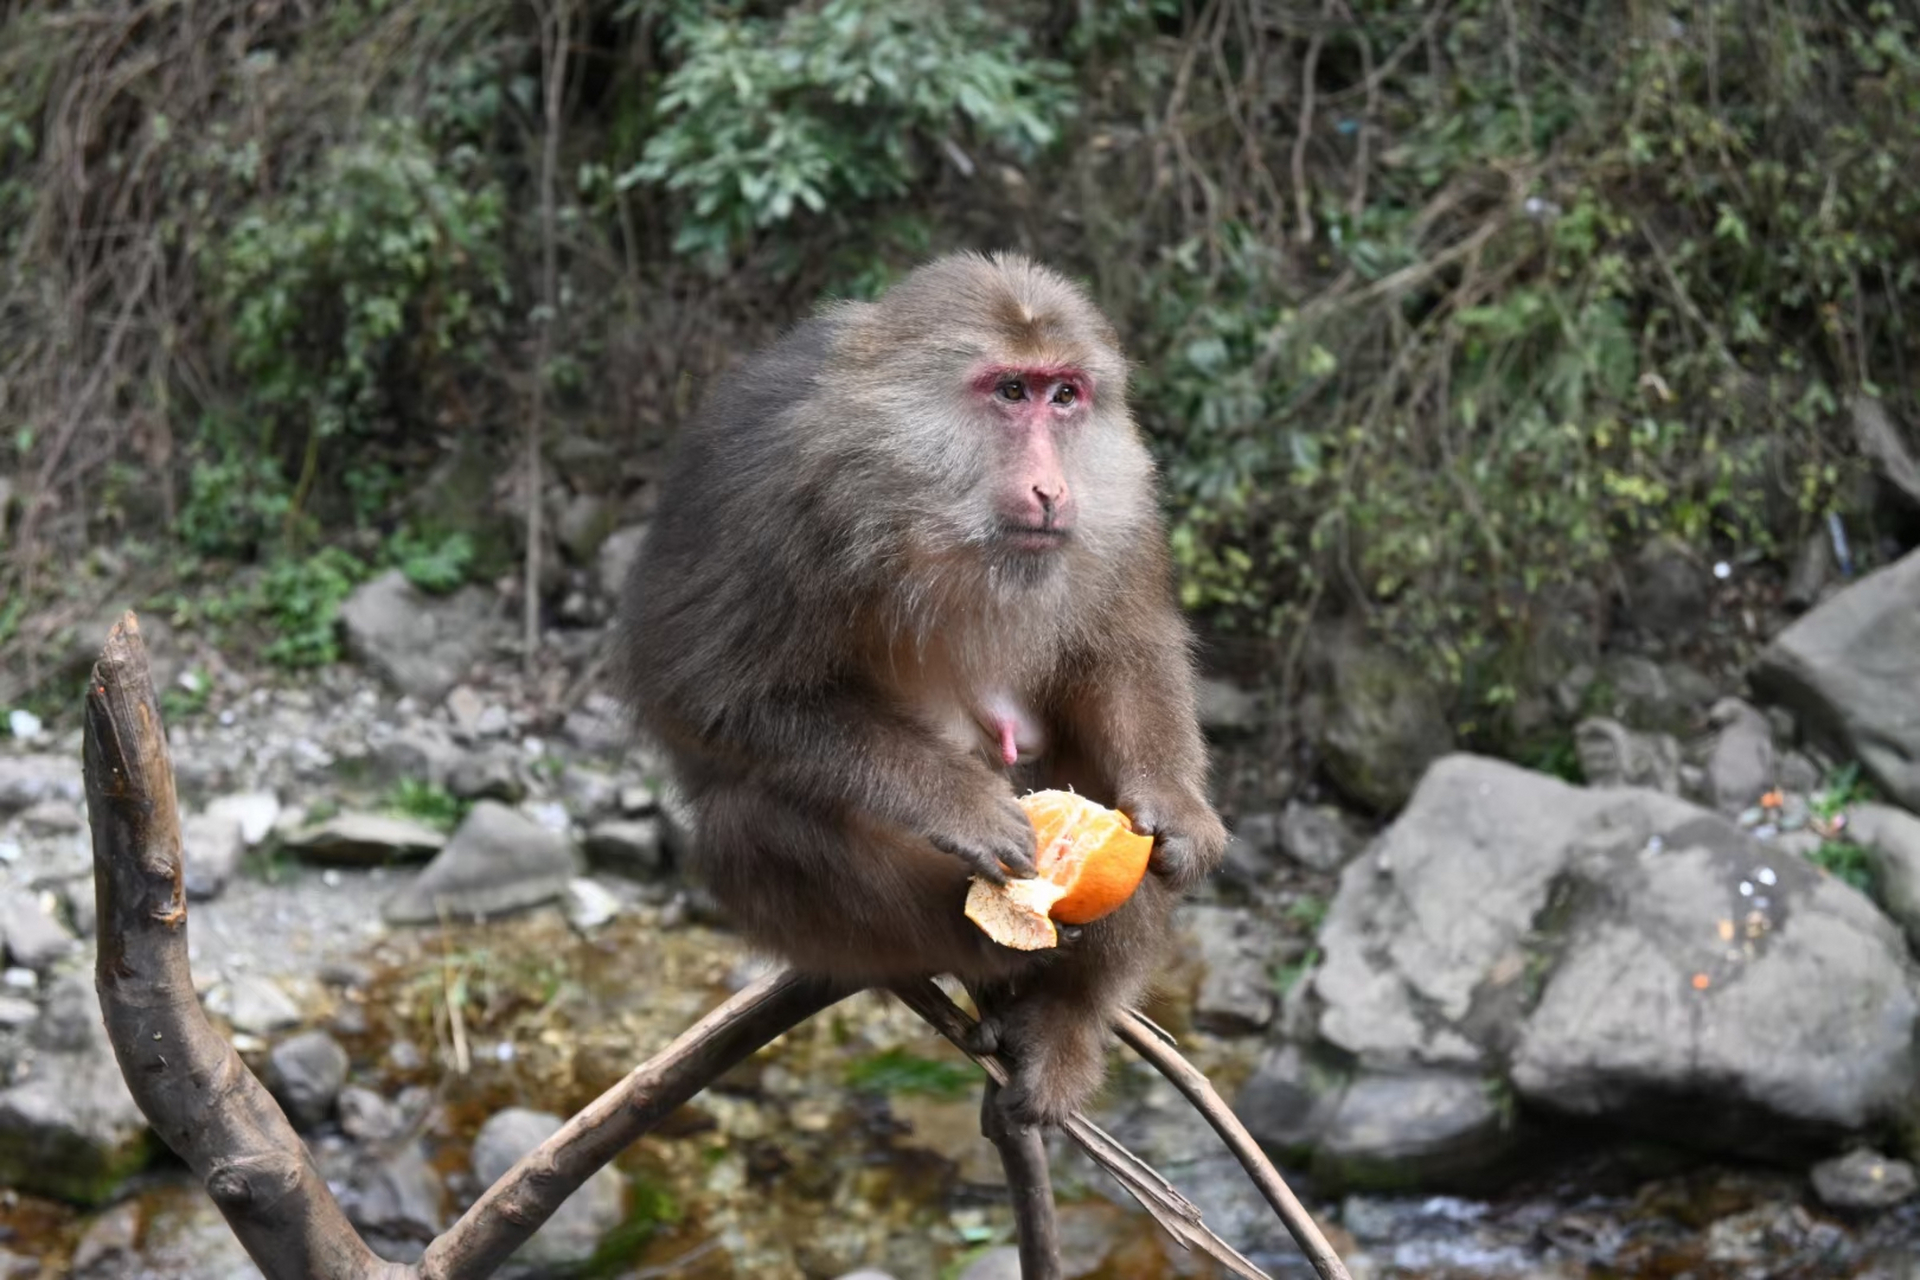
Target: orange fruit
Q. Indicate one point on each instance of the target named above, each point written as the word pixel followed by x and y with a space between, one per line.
pixel 1087 849
pixel 1089 862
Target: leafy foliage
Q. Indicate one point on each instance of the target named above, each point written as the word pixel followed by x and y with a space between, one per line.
pixel 900 1071
pixel 834 107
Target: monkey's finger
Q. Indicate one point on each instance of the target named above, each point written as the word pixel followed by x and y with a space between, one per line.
pixel 984 864
pixel 1172 858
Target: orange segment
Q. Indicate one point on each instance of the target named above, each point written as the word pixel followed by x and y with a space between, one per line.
pixel 1087 849
pixel 1089 861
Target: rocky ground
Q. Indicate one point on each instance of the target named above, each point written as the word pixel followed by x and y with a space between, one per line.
pixel 1497 1023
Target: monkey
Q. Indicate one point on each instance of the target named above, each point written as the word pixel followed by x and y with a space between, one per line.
pixel 907 562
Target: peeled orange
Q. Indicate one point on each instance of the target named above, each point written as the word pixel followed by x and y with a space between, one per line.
pixel 1089 862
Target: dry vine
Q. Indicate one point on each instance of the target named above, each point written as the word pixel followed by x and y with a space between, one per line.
pixel 205 1104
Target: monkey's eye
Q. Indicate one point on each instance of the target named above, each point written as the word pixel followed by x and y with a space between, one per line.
pixel 1012 389
pixel 1065 394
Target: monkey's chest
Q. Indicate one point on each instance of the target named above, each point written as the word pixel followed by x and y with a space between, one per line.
pixel 995 723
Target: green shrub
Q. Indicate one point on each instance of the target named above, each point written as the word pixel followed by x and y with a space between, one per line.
pixel 834 107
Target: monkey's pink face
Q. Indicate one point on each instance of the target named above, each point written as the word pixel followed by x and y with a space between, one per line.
pixel 1035 411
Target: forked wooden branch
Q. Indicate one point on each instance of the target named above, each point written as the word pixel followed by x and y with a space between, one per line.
pixel 205 1104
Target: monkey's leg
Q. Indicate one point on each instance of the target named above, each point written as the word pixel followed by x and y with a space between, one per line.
pixel 849 898
pixel 1023 1154
pixel 1053 1023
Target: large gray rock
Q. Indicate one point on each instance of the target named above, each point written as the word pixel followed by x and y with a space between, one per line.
pixel 33 939
pixel 570 1236
pixel 1379 723
pixel 420 644
pixel 34 779
pixel 1625 956
pixel 1850 671
pixel 499 860
pixel 1701 992
pixel 1863 1179
pixel 70 1129
pixel 365 839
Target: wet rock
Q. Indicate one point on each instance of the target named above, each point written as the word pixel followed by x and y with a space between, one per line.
pixel 587 905
pixel 420 644
pixel 365 839
pixel 70 1129
pixel 16 1012
pixel 1891 838
pixel 631 847
pixel 1317 835
pixel 1850 671
pixel 256 812
pixel 496 862
pixel 1813 572
pixel 1236 994
pixel 1863 1179
pixel 589 793
pixel 1667 586
pixel 1612 755
pixel 949 1129
pixel 1001 1263
pixel 1411 1128
pixel 34 779
pixel 211 848
pixel 1379 723
pixel 396 1200
pixel 255 1005
pixel 34 940
pixel 421 750
pixel 305 1074
pixel 1740 767
pixel 53 818
pixel 638 799
pixel 109 1248
pixel 367 1117
pixel 1682 961
pixel 597 726
pixel 492 773
pixel 1225 709
pixel 571 1235
pixel 615 559
pixel 1289 1100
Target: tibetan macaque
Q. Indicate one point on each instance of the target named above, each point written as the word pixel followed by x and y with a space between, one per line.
pixel 907 561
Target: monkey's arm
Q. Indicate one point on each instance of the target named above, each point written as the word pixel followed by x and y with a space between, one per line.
pixel 1131 709
pixel 845 747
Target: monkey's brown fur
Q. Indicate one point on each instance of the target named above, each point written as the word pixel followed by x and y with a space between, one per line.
pixel 854 583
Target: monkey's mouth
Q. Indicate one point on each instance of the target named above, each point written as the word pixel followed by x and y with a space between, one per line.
pixel 1034 537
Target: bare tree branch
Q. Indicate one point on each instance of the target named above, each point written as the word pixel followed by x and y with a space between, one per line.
pixel 186 1078
pixel 1156 1046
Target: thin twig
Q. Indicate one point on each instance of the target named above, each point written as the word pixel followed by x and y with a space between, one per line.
pixel 1176 1214
pixel 554 21
pixel 1141 1036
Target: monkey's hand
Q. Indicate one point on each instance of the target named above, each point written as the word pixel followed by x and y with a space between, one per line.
pixel 996 840
pixel 1188 837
